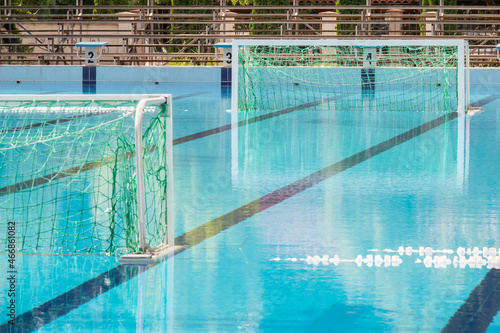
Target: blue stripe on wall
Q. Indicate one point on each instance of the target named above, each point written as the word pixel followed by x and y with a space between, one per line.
pixel 89 79
pixel 225 77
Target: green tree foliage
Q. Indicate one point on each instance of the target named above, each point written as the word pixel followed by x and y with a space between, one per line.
pixel 436 3
pixel 447 27
pixel 8 40
pixel 268 28
pixel 115 3
pixel 189 28
pixel 348 29
pixel 54 3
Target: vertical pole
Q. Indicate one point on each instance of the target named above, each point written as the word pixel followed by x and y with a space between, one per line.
pixel 467 144
pixel 368 15
pixel 234 84
pixel 460 150
pixel 234 111
pixel 170 294
pixel 140 176
pixel 295 14
pixel 460 77
pixel 141 292
pixel 170 176
pixel 328 27
pixel 441 13
pixel 429 27
pixel 141 194
pixel 467 83
pixel 362 24
pixel 395 26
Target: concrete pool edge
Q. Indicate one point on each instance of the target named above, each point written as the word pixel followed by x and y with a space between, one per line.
pixel 125 74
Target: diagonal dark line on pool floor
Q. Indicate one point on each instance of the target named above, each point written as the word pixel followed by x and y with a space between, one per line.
pixel 478 311
pixel 72 299
pixel 486 100
pixel 269 115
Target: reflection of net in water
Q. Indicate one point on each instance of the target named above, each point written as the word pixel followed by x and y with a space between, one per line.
pixel 68 175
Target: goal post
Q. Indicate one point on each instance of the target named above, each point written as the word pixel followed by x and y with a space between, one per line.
pixel 87 174
pixel 399 75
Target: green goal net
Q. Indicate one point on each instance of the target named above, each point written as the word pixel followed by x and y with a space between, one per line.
pixel 349 75
pixel 68 175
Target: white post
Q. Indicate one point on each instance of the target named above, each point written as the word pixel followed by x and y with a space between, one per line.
pixel 429 27
pixel 471 110
pixel 460 150
pixel 328 28
pixel 467 82
pixel 141 293
pixel 440 15
pixel 395 27
pixel 234 111
pixel 141 211
pixel 228 25
pixel 170 175
pixel 461 82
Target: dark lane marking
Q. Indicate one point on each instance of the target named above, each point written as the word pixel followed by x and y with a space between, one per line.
pixel 51 122
pixel 247 121
pixel 478 311
pixel 68 172
pixel 63 120
pixel 486 100
pixel 70 300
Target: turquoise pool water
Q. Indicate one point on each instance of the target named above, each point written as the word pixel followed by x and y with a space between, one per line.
pixel 297 185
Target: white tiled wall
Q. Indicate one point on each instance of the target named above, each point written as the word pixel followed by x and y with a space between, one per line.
pixel 111 74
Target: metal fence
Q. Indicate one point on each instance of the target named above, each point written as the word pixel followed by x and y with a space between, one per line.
pixel 163 35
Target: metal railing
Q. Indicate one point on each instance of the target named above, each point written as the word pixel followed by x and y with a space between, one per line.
pixel 162 35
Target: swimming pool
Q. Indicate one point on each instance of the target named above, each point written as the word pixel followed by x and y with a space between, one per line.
pixel 300 184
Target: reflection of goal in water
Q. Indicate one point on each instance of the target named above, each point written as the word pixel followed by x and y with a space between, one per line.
pixel 282 76
pixel 72 179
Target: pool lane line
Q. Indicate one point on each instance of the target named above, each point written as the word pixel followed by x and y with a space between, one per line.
pixel 486 100
pixel 63 120
pixel 249 121
pixel 9 189
pixel 479 310
pixel 72 299
pixel 51 122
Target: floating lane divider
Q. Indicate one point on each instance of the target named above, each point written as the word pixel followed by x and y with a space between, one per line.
pixel 472 258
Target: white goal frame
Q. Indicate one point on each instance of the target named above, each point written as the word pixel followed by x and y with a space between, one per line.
pixel 459 43
pixel 142 100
